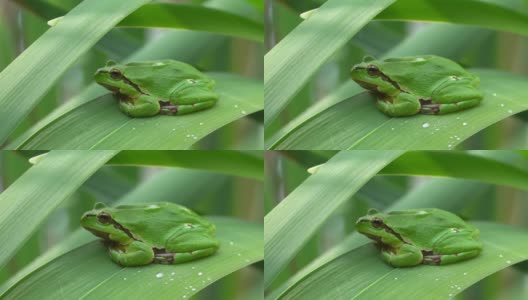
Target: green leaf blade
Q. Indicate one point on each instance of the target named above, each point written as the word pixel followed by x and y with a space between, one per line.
pixel 222 161
pixel 47 58
pixel 468 12
pixel 28 201
pixel 194 17
pixel 291 223
pixel 317 38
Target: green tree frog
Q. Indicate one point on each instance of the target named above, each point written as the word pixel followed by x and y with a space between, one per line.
pixel 425 84
pixel 149 88
pixel 158 232
pixel 420 236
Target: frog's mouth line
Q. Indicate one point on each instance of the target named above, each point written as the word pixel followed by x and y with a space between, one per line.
pixel 106 235
pixel 391 231
pixel 125 80
pixel 394 83
pixel 384 77
pixel 120 227
pixel 135 86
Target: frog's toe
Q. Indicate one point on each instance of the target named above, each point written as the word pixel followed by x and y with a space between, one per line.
pixel 167 108
pixel 430 109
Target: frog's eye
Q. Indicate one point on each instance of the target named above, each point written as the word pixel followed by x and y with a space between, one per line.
pixel 104 218
pixel 115 74
pixel 373 71
pixel 377 222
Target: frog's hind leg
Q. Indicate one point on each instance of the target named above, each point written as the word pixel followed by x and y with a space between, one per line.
pixel 187 247
pixel 403 105
pixel 442 109
pixel 174 109
pixel 143 106
pixel 452 98
pixel 456 246
pixel 136 254
pixel 446 259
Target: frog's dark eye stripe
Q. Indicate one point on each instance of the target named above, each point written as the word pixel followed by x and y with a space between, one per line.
pixel 376 222
pixel 104 218
pixel 373 71
pixel 115 74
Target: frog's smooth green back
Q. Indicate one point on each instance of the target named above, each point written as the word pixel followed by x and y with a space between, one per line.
pixel 422 73
pixel 420 226
pixel 151 225
pixel 167 72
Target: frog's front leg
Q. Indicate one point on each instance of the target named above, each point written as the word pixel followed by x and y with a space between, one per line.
pixel 402 105
pixel 142 106
pixel 134 254
pixel 406 256
pixel 453 247
pixel 453 97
